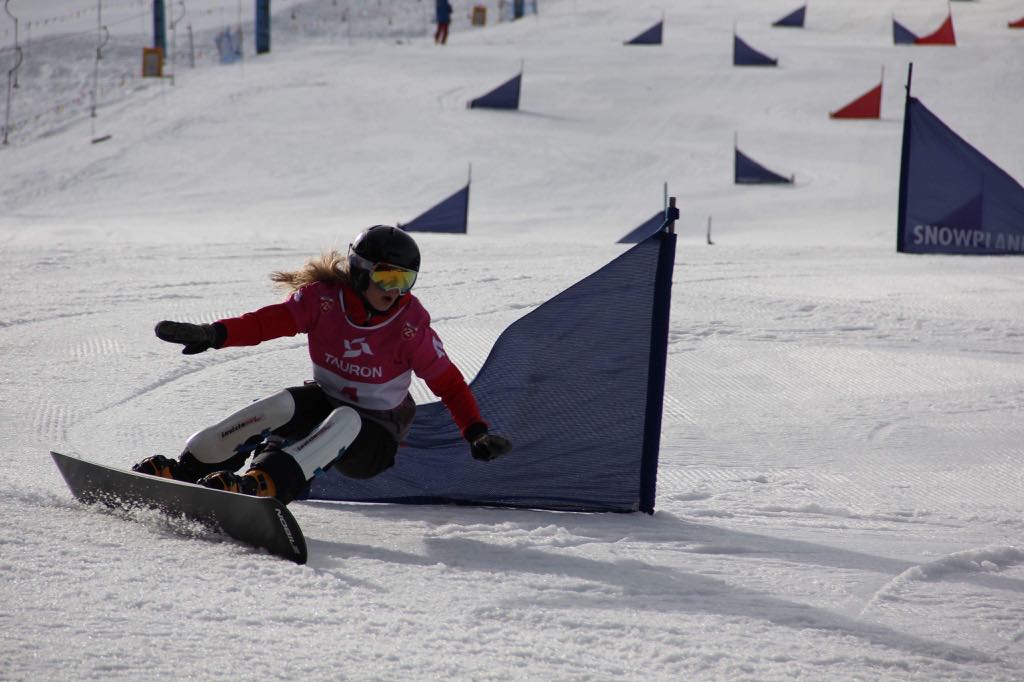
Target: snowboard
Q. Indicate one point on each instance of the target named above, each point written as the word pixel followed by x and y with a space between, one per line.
pixel 258 521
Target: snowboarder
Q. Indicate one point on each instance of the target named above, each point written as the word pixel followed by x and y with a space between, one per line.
pixel 444 17
pixel 367 333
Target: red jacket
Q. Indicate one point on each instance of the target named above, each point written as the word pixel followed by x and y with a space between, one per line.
pixel 360 357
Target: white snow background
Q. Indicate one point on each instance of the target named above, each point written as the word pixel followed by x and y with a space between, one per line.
pixel 840 490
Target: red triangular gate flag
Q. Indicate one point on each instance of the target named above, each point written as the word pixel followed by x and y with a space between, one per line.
pixel 1016 24
pixel 868 105
pixel 943 35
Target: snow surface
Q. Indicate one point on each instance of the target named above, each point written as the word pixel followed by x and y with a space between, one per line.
pixel 840 491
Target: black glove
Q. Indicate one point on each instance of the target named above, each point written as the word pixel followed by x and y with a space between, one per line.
pixel 195 337
pixel 484 445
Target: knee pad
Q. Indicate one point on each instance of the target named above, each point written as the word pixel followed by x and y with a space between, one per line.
pixel 327 442
pixel 228 438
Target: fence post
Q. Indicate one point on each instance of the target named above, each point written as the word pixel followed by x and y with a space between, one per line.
pixel 12 74
pixel 159 26
pixel 262 26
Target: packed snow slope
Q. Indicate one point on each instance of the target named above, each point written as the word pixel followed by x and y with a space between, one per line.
pixel 840 489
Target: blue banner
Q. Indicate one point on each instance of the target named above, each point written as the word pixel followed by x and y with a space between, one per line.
pixel 745 55
pixel 505 96
pixel 651 36
pixel 901 35
pixel 645 230
pixel 953 199
pixel 262 26
pixel 794 19
pixel 577 385
pixel 159 26
pixel 451 215
pixel 750 172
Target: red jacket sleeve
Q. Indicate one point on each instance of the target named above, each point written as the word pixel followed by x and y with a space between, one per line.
pixel 271 322
pixel 451 387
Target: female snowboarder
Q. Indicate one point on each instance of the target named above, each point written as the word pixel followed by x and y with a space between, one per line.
pixel 367 334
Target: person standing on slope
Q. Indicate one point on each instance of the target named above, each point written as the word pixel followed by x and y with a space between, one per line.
pixel 444 17
pixel 367 334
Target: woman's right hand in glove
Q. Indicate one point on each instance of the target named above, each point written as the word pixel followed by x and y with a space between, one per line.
pixel 195 337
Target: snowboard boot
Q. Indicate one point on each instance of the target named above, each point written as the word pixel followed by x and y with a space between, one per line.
pixel 282 470
pixel 255 482
pixel 157 465
pixel 186 468
pixel 292 466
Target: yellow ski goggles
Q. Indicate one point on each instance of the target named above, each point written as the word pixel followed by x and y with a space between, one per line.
pixel 385 275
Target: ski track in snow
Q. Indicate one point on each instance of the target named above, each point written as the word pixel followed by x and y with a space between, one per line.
pixel 988 560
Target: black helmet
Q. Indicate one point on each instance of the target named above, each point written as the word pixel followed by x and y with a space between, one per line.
pixel 381 244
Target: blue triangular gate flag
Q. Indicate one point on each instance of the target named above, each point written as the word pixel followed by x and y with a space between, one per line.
pixel 577 385
pixel 971 212
pixel 745 55
pixel 794 19
pixel 750 172
pixel 451 215
pixel 505 96
pixel 901 35
pixel 645 230
pixel 651 36
pixel 953 199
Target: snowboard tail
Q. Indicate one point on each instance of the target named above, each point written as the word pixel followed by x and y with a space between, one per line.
pixel 258 521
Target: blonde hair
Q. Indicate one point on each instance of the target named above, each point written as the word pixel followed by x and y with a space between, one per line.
pixel 329 266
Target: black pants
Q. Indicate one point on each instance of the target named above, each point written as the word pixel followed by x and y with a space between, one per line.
pixel 373 450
